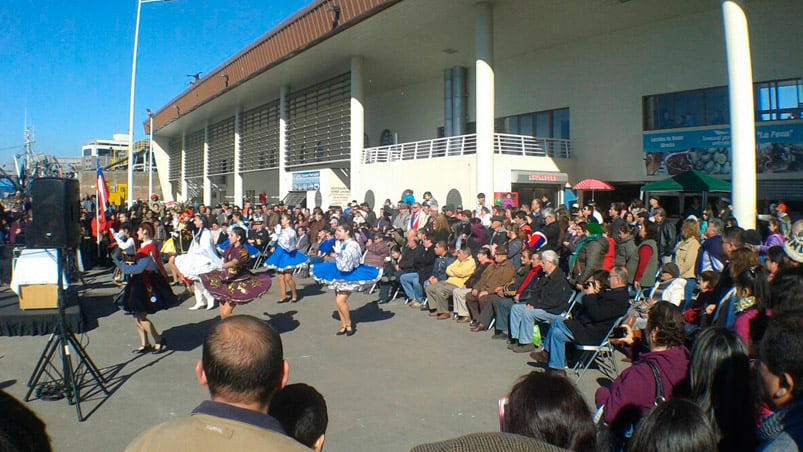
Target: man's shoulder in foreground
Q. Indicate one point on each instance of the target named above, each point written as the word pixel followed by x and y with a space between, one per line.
pixel 203 432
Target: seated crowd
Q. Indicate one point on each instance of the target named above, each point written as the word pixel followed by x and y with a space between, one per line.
pixel 709 315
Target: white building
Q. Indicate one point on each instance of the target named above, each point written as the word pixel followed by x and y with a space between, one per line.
pixel 106 148
pixel 361 99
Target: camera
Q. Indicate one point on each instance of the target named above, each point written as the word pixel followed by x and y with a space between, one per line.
pixel 590 284
pixel 619 332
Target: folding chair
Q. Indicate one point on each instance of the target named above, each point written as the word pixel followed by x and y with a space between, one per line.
pixel 591 353
pixel 570 304
pixel 261 257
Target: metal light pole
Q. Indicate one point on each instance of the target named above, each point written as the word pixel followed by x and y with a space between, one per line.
pixel 150 154
pixel 131 103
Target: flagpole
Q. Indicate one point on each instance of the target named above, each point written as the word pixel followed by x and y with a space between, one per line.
pixel 97 219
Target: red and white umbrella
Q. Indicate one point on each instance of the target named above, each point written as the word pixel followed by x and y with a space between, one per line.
pixel 593 185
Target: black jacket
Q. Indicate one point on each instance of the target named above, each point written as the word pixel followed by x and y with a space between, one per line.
pixel 550 292
pixel 597 314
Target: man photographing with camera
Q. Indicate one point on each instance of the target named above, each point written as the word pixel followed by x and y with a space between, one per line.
pixel 602 304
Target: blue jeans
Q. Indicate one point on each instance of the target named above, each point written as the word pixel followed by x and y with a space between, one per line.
pixel 688 295
pixel 522 321
pixel 555 344
pixel 412 287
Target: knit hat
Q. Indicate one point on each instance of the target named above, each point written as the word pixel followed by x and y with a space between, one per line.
pixel 671 268
pixel 594 228
pixel 793 247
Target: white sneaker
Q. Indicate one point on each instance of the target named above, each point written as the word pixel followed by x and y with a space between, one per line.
pixel 197 306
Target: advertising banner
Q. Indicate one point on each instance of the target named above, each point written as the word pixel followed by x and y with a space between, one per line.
pixel 307 181
pixel 779 149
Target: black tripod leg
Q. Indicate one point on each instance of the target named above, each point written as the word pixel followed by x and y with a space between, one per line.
pixel 86 360
pixel 41 365
pixel 70 383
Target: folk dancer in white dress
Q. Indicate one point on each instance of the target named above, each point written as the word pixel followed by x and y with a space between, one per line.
pixel 286 258
pixel 345 275
pixel 126 247
pixel 202 257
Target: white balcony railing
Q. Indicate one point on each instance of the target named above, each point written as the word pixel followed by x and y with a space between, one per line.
pixel 521 145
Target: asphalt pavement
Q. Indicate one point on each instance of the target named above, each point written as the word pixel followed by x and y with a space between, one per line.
pixel 401 380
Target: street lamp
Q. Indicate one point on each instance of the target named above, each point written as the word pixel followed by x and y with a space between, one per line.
pixel 131 103
pixel 150 153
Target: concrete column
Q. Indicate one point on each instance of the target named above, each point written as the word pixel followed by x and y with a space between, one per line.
pixel 207 182
pixel 743 126
pixel 238 175
pixel 285 179
pixel 484 55
pixel 183 194
pixel 357 127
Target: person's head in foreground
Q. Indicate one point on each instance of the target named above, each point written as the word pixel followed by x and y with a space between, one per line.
pixel 549 407
pixel 302 412
pixel 674 426
pixel 242 363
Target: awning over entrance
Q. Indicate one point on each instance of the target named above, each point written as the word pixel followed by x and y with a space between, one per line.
pixel 689 182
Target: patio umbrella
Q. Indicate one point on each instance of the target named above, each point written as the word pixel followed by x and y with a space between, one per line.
pixel 593 185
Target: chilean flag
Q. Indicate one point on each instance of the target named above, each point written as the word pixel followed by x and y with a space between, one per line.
pixel 102 201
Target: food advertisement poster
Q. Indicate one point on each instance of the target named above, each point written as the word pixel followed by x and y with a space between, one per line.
pixel 779 149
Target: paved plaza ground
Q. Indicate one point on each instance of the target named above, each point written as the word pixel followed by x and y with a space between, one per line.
pixel 401 380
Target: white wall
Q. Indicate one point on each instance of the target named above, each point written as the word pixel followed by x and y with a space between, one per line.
pixel 439 175
pixel 603 80
pixel 414 112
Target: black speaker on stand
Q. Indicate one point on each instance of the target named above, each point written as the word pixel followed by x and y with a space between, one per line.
pixel 55 225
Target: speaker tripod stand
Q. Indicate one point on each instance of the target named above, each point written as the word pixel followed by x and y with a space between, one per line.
pixel 63 378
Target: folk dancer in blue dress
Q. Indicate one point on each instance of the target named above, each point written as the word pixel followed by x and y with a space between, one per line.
pixel 147 290
pixel 286 258
pixel 234 284
pixel 202 257
pixel 345 275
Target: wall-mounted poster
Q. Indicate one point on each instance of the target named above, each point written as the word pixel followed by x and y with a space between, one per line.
pixel 779 149
pixel 307 181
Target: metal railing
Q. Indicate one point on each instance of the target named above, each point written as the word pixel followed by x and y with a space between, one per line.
pixel 521 145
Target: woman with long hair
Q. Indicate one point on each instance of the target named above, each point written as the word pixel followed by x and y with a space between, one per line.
pixel 286 258
pixel 633 393
pixel 234 284
pixel 719 375
pixel 345 275
pixel 147 290
pixel 686 253
pixel 201 258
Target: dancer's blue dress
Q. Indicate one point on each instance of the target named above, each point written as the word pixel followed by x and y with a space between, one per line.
pixel 346 274
pixel 286 257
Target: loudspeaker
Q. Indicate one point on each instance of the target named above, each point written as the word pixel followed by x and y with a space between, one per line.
pixel 55 209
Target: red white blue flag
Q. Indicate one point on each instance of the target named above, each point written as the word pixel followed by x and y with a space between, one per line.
pixel 102 201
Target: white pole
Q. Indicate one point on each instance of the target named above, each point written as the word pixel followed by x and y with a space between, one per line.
pixel 743 126
pixel 357 132
pixel 484 60
pixel 131 111
pixel 150 154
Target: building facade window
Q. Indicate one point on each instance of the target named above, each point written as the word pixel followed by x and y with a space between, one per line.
pixel 774 101
pixel 542 124
pixel 778 100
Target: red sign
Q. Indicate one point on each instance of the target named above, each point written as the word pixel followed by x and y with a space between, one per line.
pixel 543 177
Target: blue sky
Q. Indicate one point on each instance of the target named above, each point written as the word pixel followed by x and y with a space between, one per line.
pixel 69 62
